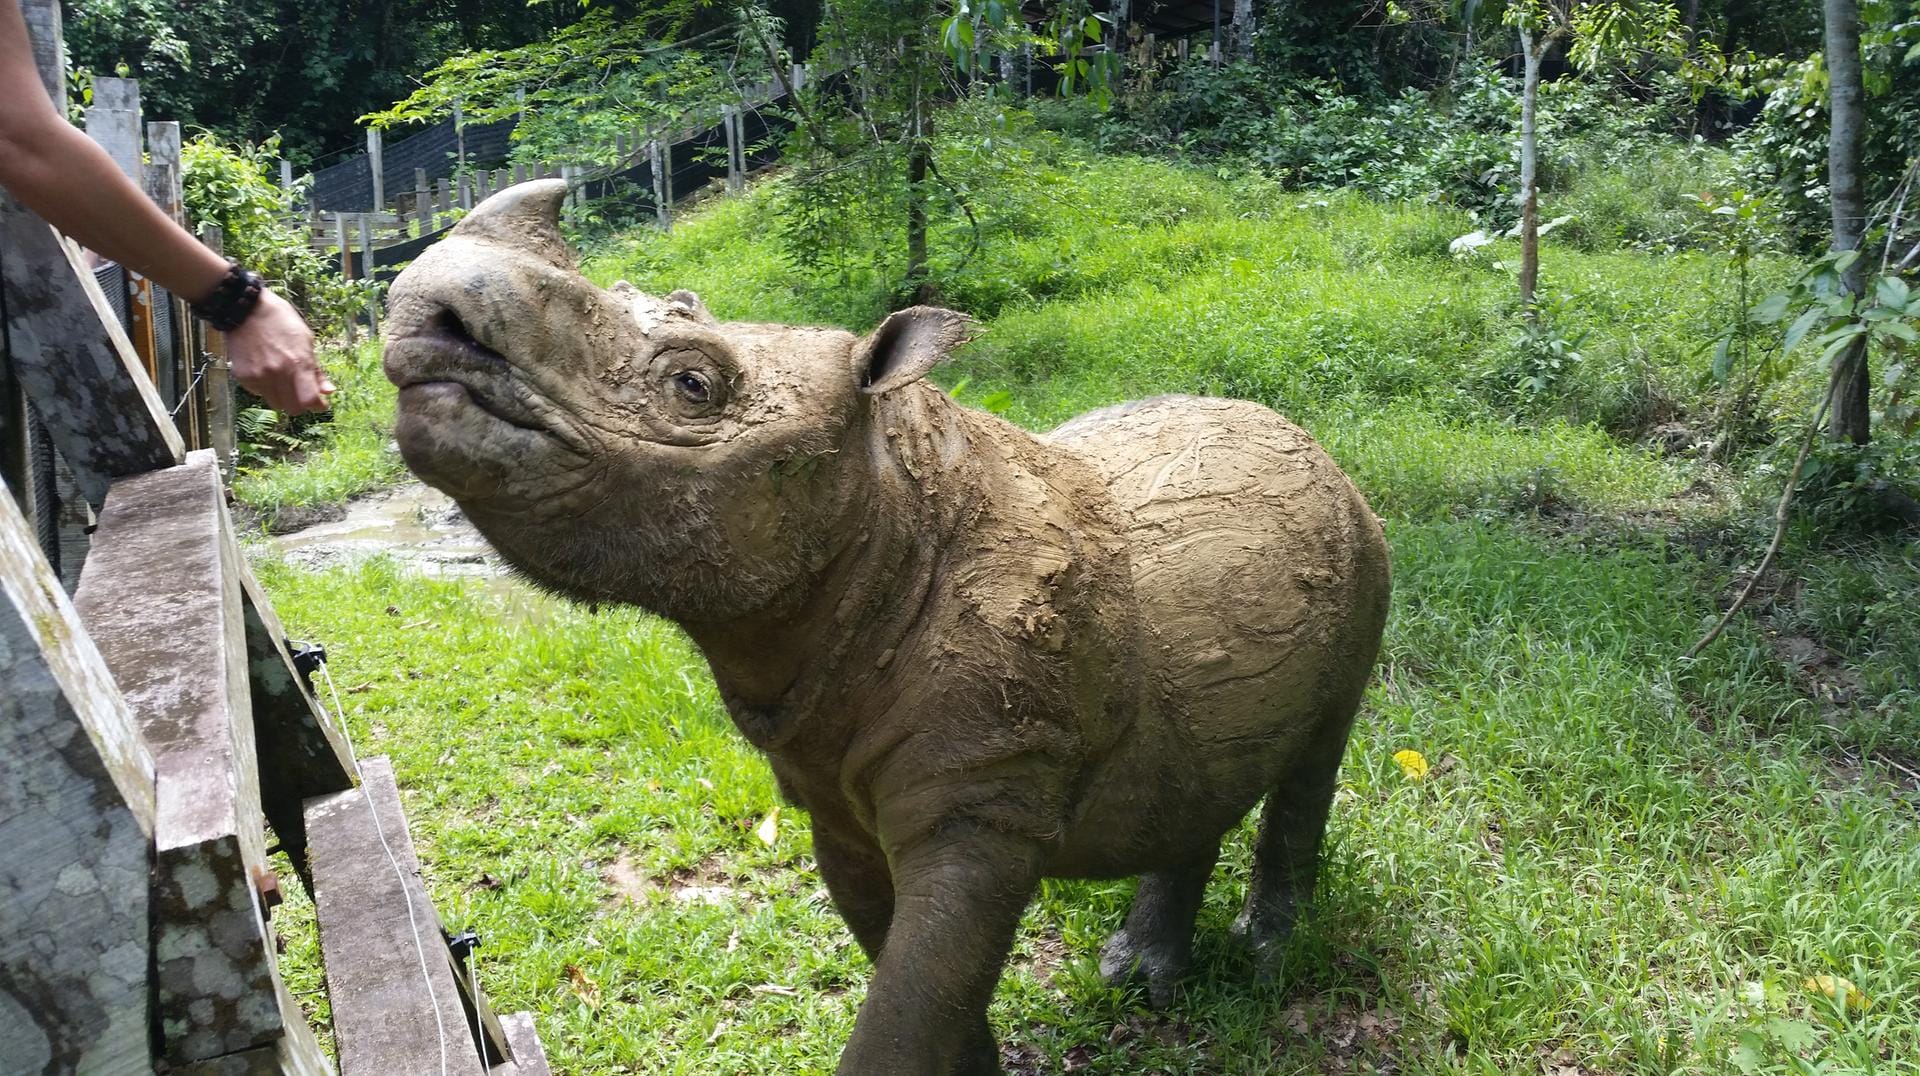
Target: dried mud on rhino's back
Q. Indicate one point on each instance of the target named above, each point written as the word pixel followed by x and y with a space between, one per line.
pixel 1246 537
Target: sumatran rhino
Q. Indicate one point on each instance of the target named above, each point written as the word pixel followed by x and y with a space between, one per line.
pixel 976 656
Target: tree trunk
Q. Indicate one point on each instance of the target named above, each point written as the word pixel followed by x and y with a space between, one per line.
pixel 918 287
pixel 1848 414
pixel 1532 45
pixel 1242 29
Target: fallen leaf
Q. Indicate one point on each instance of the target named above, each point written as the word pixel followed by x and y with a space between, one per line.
pixel 1841 990
pixel 769 828
pixel 719 1030
pixel 1412 763
pixel 1078 1058
pixel 1119 1034
pixel 360 689
pixel 584 986
pixel 488 881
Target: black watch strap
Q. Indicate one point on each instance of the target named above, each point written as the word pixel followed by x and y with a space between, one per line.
pixel 233 300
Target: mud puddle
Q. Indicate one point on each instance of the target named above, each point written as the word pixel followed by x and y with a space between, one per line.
pixel 416 525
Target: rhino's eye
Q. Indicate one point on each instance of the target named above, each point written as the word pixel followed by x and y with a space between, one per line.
pixel 693 386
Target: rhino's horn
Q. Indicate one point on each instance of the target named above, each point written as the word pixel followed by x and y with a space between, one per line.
pixel 525 216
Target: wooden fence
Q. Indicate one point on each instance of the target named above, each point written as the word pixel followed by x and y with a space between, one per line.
pixel 658 163
pixel 156 725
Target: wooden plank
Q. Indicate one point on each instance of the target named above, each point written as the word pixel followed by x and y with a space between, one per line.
pixel 100 408
pixel 529 1053
pixel 396 1008
pixel 76 820
pixel 301 753
pixel 161 597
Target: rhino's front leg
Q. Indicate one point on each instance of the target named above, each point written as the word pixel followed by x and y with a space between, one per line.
pixel 858 879
pixel 957 900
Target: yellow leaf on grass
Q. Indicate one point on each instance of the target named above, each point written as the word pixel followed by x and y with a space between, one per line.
pixel 1412 763
pixel 584 986
pixel 769 828
pixel 1840 990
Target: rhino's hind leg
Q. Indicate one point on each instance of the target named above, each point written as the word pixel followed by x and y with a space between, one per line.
pixel 1286 859
pixel 1156 944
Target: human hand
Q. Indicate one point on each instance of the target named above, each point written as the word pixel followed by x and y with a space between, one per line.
pixel 272 357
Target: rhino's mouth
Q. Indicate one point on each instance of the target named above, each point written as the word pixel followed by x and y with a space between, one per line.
pixel 444 361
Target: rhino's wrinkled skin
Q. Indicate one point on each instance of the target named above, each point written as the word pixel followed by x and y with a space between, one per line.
pixel 976 656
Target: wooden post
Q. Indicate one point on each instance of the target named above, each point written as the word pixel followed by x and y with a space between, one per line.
pixel 340 240
pixel 459 138
pixel 466 191
pixel 660 210
pixel 519 173
pixel 219 377
pixel 161 598
pixel 442 198
pixel 367 261
pixel 422 201
pixel 163 186
pixel 286 174
pixel 375 165
pixel 113 122
pixel 76 820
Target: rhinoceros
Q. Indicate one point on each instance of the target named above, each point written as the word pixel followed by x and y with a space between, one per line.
pixel 976 656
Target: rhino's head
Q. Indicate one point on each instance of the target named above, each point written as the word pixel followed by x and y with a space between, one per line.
pixel 621 447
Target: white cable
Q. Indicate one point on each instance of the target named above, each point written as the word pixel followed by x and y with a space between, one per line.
pixel 339 718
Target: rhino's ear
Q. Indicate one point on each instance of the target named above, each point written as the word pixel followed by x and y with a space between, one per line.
pixel 691 303
pixel 908 345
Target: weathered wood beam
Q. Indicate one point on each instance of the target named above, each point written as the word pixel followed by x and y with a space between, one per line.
pixel 100 408
pixel 390 979
pixel 301 753
pixel 161 597
pixel 529 1054
pixel 76 824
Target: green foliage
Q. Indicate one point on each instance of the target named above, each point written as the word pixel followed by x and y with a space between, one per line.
pixel 247 69
pixel 229 186
pixel 328 463
pixel 1785 149
pixel 598 80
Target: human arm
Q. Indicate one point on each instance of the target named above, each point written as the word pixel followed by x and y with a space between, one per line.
pixel 60 174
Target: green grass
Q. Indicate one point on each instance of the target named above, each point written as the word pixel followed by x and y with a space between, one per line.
pixel 1616 855
pixel 338 459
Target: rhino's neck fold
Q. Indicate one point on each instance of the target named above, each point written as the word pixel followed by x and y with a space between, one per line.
pixel 911 486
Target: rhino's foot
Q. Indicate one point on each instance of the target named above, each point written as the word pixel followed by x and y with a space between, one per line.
pixel 1265 933
pixel 1157 963
pixel 1156 945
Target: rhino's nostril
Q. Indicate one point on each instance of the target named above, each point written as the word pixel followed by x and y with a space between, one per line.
pixel 448 325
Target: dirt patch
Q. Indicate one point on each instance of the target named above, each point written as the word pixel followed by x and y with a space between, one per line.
pixel 702 883
pixel 415 524
pixel 1049 951
pixel 295 517
pixel 1355 1039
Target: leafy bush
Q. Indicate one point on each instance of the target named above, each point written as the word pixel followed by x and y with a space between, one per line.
pixel 228 185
